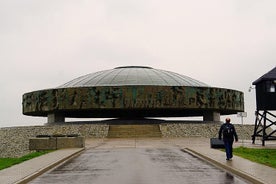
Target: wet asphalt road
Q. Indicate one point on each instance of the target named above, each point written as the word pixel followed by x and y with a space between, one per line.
pixel 132 165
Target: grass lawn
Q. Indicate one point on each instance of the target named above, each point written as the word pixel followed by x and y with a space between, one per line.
pixel 262 156
pixel 7 162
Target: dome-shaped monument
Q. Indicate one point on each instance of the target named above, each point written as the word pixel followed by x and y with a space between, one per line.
pixel 133 76
pixel 131 92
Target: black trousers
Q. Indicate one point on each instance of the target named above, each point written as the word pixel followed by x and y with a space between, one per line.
pixel 228 143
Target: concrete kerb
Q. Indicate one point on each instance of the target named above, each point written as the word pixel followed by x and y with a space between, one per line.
pixel 225 167
pixel 48 167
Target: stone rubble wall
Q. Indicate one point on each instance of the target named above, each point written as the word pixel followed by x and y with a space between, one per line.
pixel 14 141
pixel 207 130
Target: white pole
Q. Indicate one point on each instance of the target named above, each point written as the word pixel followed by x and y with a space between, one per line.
pixel 242 114
pixel 242 129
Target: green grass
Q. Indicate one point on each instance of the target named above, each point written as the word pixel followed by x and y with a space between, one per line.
pixel 7 162
pixel 262 156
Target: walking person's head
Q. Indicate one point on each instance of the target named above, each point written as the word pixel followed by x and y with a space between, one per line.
pixel 227 120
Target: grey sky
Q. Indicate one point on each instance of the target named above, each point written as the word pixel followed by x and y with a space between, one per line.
pixel 44 44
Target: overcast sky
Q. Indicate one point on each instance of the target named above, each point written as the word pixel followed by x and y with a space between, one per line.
pixel 44 44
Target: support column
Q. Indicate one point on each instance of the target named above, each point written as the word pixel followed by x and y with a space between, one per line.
pixel 211 116
pixel 56 118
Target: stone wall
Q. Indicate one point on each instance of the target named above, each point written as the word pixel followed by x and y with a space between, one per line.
pixel 207 130
pixel 14 141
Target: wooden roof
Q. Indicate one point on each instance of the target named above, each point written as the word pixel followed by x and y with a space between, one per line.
pixel 271 75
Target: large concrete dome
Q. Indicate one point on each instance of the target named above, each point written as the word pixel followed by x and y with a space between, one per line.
pixel 131 92
pixel 133 76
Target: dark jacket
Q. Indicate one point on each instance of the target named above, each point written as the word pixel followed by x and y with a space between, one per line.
pixel 230 136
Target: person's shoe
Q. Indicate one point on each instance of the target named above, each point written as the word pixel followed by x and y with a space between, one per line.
pixel 228 159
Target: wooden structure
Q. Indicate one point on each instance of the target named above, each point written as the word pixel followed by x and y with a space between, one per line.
pixel 266 104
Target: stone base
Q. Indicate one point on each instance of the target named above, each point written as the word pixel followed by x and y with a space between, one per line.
pixel 54 143
pixel 56 118
pixel 211 116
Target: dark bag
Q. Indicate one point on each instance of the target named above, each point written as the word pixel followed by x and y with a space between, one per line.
pixel 216 143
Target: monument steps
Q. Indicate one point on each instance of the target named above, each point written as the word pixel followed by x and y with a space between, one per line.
pixel 134 131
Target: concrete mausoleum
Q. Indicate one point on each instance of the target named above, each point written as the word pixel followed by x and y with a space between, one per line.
pixel 133 92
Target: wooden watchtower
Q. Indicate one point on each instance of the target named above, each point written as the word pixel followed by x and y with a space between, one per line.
pixel 266 103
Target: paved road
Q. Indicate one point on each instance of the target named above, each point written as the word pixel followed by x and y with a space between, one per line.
pixel 136 165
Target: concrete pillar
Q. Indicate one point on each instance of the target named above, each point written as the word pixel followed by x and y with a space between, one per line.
pixel 56 118
pixel 211 116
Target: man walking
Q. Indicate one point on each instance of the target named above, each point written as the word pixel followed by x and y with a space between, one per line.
pixel 227 130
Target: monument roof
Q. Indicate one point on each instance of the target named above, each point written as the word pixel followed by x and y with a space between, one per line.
pixel 133 75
